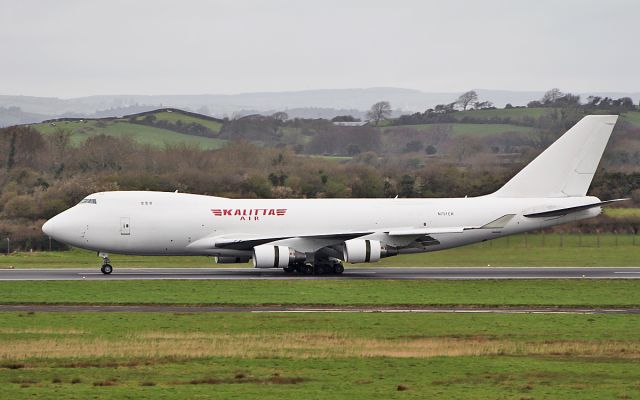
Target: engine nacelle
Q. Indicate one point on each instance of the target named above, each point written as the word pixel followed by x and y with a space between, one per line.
pixel 232 260
pixel 364 250
pixel 267 256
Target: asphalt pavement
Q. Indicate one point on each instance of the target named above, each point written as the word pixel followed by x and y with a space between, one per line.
pixel 414 273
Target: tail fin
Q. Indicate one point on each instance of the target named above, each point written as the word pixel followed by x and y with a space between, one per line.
pixel 566 168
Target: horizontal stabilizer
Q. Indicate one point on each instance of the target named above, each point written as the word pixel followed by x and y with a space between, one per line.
pixel 564 211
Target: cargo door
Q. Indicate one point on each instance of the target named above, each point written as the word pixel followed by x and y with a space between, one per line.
pixel 125 228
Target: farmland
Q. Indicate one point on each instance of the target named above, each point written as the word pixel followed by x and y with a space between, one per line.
pixel 346 355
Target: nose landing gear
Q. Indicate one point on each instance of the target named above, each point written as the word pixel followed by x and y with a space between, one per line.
pixel 106 266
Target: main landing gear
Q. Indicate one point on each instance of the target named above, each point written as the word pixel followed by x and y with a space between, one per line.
pixel 106 266
pixel 324 267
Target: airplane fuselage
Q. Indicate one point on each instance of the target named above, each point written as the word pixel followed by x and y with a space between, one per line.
pixel 163 223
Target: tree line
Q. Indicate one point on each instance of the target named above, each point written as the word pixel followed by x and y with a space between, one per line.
pixel 41 175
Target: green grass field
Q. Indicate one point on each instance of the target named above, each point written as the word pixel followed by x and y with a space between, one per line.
pixel 481 293
pixel 476 130
pixel 514 113
pixel 172 116
pixel 341 356
pixel 81 130
pixel 532 250
pixel 622 212
pixel 632 117
pixel 519 113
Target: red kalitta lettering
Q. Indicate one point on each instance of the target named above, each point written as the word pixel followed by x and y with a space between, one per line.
pixel 248 214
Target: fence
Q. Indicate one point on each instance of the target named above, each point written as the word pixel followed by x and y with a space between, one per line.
pixel 525 240
pixel 9 245
pixel 570 240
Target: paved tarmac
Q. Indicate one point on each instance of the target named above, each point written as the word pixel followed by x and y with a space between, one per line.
pixel 354 273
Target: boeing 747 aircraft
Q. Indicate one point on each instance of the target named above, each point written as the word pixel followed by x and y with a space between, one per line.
pixel 315 235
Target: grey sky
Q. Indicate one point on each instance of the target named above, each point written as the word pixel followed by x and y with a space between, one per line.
pixel 67 48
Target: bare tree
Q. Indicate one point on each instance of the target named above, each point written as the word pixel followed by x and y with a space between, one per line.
pixel 467 98
pixel 280 116
pixel 551 96
pixel 379 111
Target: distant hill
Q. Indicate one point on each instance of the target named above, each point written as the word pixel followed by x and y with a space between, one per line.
pixel 307 103
pixel 157 128
pixel 12 115
pixel 507 132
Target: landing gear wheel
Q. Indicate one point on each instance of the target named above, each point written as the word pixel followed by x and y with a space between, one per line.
pixel 338 268
pixel 307 269
pixel 106 269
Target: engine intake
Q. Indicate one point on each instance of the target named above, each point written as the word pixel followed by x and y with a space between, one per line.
pixel 364 250
pixel 267 256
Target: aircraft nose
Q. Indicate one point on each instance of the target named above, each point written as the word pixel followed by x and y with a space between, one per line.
pixel 61 227
pixel 49 227
pixel 67 227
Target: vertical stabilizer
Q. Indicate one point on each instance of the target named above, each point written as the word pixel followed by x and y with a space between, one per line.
pixel 566 168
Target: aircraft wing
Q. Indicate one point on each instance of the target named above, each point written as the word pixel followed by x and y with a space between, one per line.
pixel 425 231
pixel 315 241
pixel 248 241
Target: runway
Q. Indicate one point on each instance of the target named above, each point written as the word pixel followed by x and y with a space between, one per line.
pixel 415 273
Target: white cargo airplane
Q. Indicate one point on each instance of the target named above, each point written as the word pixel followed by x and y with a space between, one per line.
pixel 315 235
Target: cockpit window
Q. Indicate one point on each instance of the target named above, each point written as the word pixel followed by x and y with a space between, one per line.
pixel 90 201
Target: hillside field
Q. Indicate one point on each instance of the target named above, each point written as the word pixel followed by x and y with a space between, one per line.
pixel 81 130
pixel 168 135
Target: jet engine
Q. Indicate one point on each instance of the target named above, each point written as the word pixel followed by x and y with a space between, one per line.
pixel 364 250
pixel 232 260
pixel 267 256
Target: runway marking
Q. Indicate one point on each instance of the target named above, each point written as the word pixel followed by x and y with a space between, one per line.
pixel 371 273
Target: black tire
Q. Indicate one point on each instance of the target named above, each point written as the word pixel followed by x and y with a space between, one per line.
pixel 307 269
pixel 338 268
pixel 106 269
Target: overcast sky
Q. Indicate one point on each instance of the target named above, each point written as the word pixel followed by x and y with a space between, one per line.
pixel 68 48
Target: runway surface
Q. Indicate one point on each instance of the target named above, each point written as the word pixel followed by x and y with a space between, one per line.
pixel 355 273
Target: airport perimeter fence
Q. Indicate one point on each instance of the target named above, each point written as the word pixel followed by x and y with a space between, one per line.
pixel 525 240
pixel 569 240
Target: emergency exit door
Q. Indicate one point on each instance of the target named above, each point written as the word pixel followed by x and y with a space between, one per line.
pixel 125 228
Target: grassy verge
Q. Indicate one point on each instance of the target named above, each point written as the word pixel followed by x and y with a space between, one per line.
pixel 604 250
pixel 343 356
pixel 630 212
pixel 570 293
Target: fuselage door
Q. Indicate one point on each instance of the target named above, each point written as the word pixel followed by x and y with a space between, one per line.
pixel 125 228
